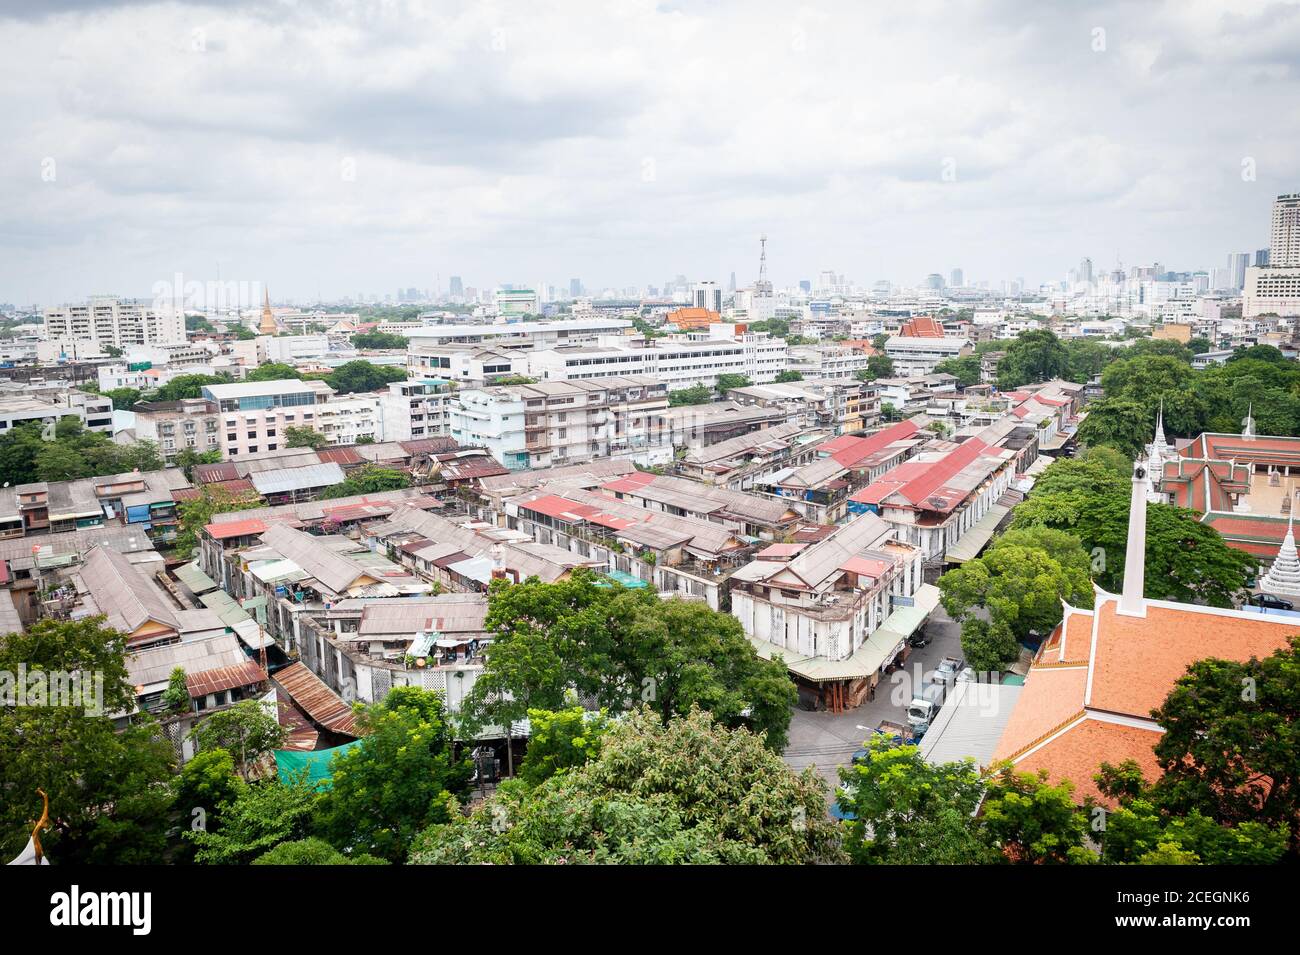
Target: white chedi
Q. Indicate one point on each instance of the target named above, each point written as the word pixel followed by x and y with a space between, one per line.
pixel 1284 576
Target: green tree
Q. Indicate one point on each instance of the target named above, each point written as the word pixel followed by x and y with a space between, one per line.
pixel 787 377
pixel 1033 822
pixel 966 369
pixel 560 741
pixel 261 816
pixel 312 851
pixel 1020 582
pixel 695 395
pixel 304 437
pixel 686 791
pixel 1150 379
pixel 368 479
pixel 727 381
pixel 124 399
pixel 903 810
pixel 1229 749
pixel 358 376
pixel 273 371
pixel 1087 358
pixel 1109 458
pixel 624 647
pixel 1035 356
pixel 1087 474
pixel 109 790
pixel 379 340
pixel 246 730
pixel 196 513
pixel 187 459
pixel 402 778
pixel 1186 561
pixel 187 386
pixel 177 695
pixel 1119 423
pixel 878 366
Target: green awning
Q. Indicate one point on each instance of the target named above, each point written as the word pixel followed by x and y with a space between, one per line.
pixel 905 621
pixel 973 541
pixel 196 580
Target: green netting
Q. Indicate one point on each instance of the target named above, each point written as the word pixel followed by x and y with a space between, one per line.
pixel 290 763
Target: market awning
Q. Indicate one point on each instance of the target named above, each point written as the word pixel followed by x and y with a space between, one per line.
pixel 973 541
pixel 905 621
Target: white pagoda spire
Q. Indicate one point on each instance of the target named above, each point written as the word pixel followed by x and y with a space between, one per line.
pixel 1284 576
pixel 1132 602
pixel 1248 425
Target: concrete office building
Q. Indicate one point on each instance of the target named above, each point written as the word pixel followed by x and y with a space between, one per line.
pixel 114 321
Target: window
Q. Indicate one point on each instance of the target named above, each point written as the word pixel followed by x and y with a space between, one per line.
pixel 252 449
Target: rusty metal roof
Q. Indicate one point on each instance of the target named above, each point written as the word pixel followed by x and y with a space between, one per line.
pixel 317 700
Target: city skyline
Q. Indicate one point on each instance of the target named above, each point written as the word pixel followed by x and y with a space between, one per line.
pixel 328 149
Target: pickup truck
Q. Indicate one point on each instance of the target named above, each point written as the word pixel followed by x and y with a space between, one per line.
pixel 948 669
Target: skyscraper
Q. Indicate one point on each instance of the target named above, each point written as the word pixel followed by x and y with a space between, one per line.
pixel 457 287
pixel 956 279
pixel 575 288
pixel 1261 257
pixel 1085 270
pixel 1237 262
pixel 707 295
pixel 1284 250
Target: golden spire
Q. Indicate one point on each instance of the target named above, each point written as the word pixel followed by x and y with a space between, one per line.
pixel 268 326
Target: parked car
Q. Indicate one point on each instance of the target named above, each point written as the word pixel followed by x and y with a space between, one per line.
pixel 947 671
pixel 1271 602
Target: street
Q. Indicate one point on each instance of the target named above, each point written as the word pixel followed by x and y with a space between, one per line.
pixel 828 740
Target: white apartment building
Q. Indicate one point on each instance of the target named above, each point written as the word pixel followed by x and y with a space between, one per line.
pixel 349 419
pixel 1284 247
pixel 1271 290
pixel 465 364
pixel 117 322
pixel 95 411
pixel 518 334
pixel 828 361
pixel 411 410
pixel 255 415
pixel 556 423
pixel 919 356
pixel 680 361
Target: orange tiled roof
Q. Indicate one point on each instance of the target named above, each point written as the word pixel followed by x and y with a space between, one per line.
pixel 1063 720
pixel 921 327
pixel 1077 754
pixel 1139 658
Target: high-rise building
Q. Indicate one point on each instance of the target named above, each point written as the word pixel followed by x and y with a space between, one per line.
pixel 117 322
pixel 1261 257
pixel 934 281
pixel 732 286
pixel 1273 288
pixel 956 279
pixel 575 288
pixel 707 295
pixel 457 287
pixel 1284 249
pixel 1237 263
pixel 1085 270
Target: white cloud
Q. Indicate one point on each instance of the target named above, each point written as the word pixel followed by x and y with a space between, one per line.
pixel 511 142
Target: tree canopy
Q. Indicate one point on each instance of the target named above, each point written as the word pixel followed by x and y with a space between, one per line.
pixel 624 648
pixel 685 790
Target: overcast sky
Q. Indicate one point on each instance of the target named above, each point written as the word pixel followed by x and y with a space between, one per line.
pixel 344 147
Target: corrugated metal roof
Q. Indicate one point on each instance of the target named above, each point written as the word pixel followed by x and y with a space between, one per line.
pixel 223 678
pixel 316 699
pixel 298 479
pixel 128 598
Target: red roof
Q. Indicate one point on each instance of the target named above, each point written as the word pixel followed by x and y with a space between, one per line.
pixel 850 450
pixel 779 551
pixel 210 473
pixel 921 327
pixel 223 678
pixel 571 512
pixel 866 566
pixel 630 483
pixel 250 525
pixel 340 456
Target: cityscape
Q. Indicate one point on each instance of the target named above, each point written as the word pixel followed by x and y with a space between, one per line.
pixel 565 470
